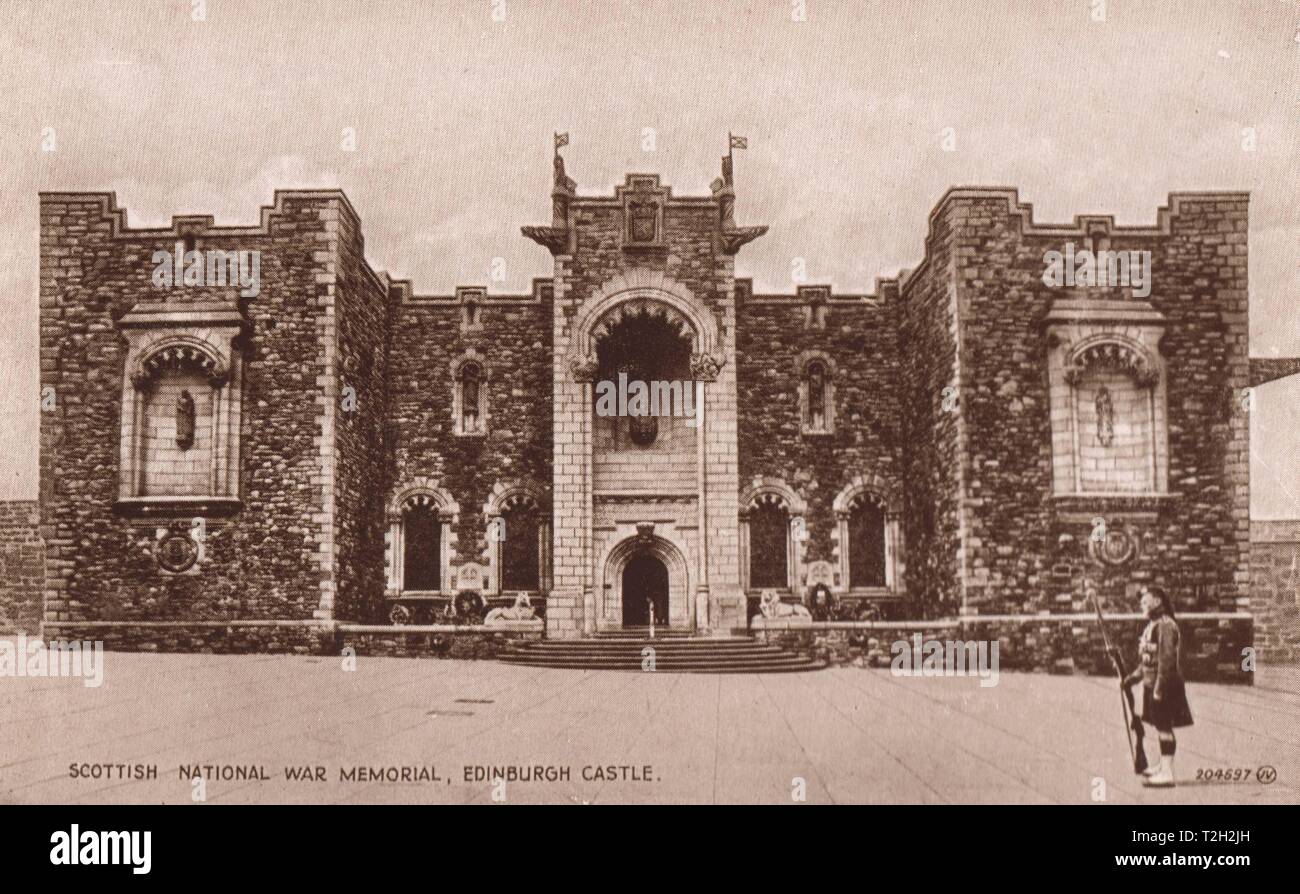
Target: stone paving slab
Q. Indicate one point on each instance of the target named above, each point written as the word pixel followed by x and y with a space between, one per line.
pixel 851 735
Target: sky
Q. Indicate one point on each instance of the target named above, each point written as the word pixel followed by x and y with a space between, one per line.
pixel 859 116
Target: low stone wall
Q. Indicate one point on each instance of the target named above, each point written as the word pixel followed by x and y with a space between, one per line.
pixel 1212 643
pixel 297 637
pixel 1275 589
pixel 216 637
pixel 436 640
pixel 22 566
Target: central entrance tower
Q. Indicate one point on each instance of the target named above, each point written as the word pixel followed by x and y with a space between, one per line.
pixel 644 290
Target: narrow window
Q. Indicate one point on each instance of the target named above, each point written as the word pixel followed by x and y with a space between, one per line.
pixel 866 545
pixel 769 543
pixel 816 383
pixel 422 536
pixel 520 561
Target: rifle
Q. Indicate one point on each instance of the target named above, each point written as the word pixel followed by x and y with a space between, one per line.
pixel 1132 722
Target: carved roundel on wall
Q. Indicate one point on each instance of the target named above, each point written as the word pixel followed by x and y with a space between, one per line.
pixel 1118 547
pixel 177 553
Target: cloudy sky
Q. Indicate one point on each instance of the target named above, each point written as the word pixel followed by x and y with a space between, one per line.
pixel 453 103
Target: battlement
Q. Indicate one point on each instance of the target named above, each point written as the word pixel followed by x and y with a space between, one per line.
pixel 192 225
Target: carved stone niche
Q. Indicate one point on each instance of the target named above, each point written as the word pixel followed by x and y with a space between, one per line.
pixel 197 337
pixel 1083 335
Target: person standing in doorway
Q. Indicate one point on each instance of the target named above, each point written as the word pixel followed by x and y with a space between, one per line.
pixel 1164 696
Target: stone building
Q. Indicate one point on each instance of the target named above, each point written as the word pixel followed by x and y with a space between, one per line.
pixel 970 440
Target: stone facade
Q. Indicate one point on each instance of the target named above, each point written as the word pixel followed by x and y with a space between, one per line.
pixel 1275 589
pixel 967 440
pixel 1023 542
pixel 22 567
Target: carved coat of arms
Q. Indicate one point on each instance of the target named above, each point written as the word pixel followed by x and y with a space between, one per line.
pixel 643 221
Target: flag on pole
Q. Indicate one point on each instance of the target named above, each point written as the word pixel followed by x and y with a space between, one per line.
pixel 561 139
pixel 739 142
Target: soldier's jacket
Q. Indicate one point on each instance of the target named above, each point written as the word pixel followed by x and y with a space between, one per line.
pixel 1158 654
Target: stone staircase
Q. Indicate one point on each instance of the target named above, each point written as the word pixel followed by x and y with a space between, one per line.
pixel 675 651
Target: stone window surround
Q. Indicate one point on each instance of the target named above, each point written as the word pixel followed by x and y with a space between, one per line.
pixel 773 491
pixel 1081 334
pixel 875 490
pixel 202 335
pixel 458 394
pixel 420 491
pixel 801 376
pixel 505 497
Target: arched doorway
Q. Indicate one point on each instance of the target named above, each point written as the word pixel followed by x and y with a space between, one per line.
pixel 645 585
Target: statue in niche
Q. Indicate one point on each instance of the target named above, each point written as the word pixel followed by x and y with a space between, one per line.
pixel 816 395
pixel 1105 417
pixel 185 421
pixel 470 378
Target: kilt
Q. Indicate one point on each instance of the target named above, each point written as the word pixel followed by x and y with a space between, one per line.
pixel 1171 711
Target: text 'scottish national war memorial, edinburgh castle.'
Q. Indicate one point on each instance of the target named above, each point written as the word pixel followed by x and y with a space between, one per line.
pixel 970 448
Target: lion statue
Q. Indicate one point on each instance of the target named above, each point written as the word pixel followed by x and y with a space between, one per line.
pixel 773 608
pixel 522 610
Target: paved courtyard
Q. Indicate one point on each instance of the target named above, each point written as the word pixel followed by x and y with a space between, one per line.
pixel 852 735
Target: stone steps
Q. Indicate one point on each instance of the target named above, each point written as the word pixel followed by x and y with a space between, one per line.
pixel 622 650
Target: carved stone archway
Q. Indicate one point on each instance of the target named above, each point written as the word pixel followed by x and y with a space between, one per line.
pixel 680 608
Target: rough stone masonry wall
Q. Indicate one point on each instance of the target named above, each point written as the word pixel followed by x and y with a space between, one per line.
pixel 513 343
pixel 358 384
pixel 931 424
pixel 265 561
pixel 22 566
pixel 1275 590
pixel 860 337
pixel 1023 551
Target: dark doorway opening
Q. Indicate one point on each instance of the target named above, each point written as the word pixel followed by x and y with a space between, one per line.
pixel 645 584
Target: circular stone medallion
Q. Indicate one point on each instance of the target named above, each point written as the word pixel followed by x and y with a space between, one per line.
pixel 177 553
pixel 1119 547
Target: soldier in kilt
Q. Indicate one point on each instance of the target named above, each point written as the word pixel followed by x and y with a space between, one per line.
pixel 1164 696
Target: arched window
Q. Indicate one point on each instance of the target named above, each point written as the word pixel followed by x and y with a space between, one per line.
pixel 816 393
pixel 422 542
pixel 869 537
pixel 518 535
pixel 420 539
pixel 866 544
pixel 520 554
pixel 470 395
pixel 769 561
pixel 771 536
